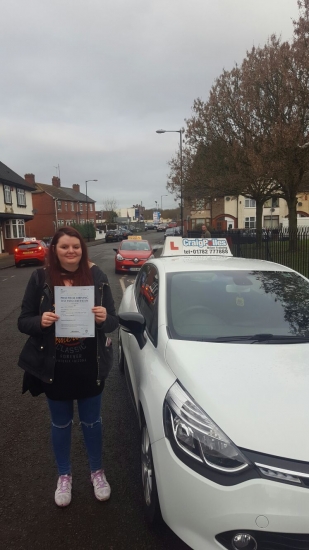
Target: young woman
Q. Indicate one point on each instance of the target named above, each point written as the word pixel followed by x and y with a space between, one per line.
pixel 66 369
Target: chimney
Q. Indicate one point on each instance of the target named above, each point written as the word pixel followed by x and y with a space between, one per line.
pixel 75 186
pixel 30 178
pixel 56 181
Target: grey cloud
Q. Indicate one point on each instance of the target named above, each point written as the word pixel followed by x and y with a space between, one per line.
pixel 86 83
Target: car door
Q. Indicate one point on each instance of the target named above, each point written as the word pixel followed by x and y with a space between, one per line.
pixel 146 295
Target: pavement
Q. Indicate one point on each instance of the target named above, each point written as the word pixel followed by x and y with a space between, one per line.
pixel 7 260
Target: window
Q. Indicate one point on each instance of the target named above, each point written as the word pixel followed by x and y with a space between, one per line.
pixel 66 206
pixel 7 194
pixel 199 204
pixel 60 222
pixel 72 206
pixel 270 222
pixel 272 203
pixel 147 290
pixel 250 223
pixel 197 221
pixel 91 207
pixel 91 220
pixel 80 206
pixel 250 203
pixel 14 229
pixel 21 197
pixel 236 303
pixel 59 206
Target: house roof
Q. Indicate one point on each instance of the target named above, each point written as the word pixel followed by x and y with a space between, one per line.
pixel 79 196
pixel 62 193
pixel 8 176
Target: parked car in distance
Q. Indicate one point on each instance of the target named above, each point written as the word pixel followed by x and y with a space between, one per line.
pixel 172 232
pixel 172 224
pixel 30 252
pixel 150 226
pixel 124 233
pixel 111 236
pixel 162 227
pixel 132 254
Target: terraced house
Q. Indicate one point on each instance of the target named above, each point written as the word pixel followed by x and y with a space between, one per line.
pixel 15 208
pixel 54 206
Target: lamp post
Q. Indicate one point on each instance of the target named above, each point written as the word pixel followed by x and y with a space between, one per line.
pixel 161 200
pixel 180 132
pixel 87 208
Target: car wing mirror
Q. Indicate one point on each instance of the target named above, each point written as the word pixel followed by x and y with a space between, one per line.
pixel 115 249
pixel 135 323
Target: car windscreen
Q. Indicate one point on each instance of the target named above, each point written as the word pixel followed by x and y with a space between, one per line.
pixel 28 246
pixel 135 245
pixel 238 306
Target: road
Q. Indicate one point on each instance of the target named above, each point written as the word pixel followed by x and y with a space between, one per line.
pixel 29 519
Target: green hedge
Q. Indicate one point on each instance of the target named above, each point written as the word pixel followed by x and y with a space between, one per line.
pixel 86 230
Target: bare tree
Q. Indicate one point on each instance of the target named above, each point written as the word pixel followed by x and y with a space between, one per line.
pixel 251 136
pixel 110 206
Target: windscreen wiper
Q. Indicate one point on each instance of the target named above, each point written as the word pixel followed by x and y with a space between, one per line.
pixel 265 338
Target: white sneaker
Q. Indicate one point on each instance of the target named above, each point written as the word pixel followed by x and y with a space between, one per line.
pixel 102 490
pixel 63 492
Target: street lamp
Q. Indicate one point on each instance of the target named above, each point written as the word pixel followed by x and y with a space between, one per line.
pixel 161 200
pixel 180 132
pixel 87 208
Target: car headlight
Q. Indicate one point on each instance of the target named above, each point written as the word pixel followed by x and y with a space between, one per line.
pixel 197 435
pixel 119 257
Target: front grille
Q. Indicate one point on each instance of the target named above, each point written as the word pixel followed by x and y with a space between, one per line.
pixel 268 541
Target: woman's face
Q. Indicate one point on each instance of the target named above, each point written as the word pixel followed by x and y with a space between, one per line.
pixel 69 252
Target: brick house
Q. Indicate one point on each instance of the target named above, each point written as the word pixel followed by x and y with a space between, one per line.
pixel 15 208
pixel 54 206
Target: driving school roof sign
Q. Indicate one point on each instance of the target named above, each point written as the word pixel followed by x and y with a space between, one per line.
pixel 177 246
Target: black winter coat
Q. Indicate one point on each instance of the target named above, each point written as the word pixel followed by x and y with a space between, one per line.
pixel 38 355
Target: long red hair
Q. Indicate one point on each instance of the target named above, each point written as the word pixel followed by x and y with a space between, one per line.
pixel 82 276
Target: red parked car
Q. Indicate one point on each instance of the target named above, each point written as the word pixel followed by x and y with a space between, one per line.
pixel 132 254
pixel 29 252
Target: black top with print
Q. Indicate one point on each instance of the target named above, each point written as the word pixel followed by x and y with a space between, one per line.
pixel 76 370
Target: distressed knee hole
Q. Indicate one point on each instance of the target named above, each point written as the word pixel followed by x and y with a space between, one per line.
pixel 64 426
pixel 99 421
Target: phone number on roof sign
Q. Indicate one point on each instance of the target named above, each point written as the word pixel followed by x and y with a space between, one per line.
pixel 201 243
pixel 206 251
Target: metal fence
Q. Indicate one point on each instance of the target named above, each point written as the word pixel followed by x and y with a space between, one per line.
pixel 279 246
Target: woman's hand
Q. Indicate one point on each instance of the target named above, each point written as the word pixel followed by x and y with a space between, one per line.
pixel 48 318
pixel 100 314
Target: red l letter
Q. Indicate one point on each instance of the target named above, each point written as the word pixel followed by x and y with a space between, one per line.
pixel 173 247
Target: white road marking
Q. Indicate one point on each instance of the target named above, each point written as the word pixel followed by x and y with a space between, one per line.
pixel 121 281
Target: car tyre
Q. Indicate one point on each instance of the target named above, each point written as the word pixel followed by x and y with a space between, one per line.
pixel 120 354
pixel 149 484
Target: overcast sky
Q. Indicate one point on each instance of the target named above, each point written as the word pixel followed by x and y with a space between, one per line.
pixel 85 84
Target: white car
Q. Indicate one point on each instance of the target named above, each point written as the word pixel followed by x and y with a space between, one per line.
pixel 216 355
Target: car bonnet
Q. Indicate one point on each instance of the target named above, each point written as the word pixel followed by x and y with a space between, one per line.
pixel 256 393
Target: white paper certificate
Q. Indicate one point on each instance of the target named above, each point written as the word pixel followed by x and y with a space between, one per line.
pixel 73 305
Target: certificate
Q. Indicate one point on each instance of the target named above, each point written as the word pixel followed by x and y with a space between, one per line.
pixel 73 305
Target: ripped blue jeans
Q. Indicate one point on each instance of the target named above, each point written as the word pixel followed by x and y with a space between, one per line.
pixel 89 411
